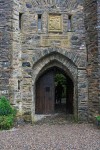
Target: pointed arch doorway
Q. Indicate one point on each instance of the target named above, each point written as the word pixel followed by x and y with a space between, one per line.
pixel 50 100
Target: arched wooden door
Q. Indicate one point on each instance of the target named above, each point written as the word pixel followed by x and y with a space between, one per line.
pixel 45 94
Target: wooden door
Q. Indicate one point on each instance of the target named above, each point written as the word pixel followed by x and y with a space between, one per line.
pixel 45 94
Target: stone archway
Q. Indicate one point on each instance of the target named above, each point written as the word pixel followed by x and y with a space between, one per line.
pixel 54 95
pixel 58 60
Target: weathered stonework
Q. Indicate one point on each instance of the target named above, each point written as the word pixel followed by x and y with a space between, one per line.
pixel 27 52
pixel 58 40
pixel 5 45
pixel 93 52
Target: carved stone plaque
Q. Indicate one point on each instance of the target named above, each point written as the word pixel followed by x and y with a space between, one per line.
pixel 55 23
pixel 51 40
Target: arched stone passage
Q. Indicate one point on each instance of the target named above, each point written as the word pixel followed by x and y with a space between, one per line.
pixel 75 58
pixel 62 62
pixel 55 57
pixel 54 95
pixel 56 63
pixel 73 70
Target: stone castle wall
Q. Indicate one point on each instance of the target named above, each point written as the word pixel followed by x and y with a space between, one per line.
pixel 98 30
pixel 31 50
pixel 36 45
pixel 91 9
pixel 5 45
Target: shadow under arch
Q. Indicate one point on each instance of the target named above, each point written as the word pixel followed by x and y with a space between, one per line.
pixel 55 63
pixel 60 61
pixel 55 57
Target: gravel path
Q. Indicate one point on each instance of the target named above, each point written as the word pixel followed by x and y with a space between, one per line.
pixel 51 137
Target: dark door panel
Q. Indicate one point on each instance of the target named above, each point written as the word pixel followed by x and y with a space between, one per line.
pixel 45 94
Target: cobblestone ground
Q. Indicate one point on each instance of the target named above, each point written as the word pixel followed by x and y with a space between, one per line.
pixel 51 136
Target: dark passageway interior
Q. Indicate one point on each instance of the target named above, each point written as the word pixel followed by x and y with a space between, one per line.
pixel 54 92
pixel 63 92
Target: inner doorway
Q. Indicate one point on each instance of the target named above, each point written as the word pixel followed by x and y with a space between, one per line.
pixel 54 92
